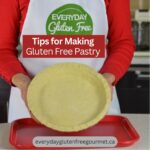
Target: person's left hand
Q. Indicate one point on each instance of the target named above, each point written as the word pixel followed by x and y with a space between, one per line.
pixel 110 79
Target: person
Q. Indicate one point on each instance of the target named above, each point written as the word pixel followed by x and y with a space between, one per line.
pixel 110 18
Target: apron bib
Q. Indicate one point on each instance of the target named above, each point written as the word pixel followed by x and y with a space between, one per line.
pixel 53 17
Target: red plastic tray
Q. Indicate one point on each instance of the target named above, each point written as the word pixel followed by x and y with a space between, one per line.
pixel 24 130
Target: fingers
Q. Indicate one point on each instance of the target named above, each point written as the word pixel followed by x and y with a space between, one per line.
pixel 24 96
pixel 109 77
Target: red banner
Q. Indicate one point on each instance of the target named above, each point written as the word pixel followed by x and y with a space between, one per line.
pixel 63 46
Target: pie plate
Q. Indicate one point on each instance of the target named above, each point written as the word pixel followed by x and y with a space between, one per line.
pixel 69 97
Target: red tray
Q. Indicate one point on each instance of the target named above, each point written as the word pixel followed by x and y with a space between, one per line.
pixel 24 130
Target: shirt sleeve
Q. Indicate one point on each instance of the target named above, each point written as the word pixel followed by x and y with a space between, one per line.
pixel 120 48
pixel 9 31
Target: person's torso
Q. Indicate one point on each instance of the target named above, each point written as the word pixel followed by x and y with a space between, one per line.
pixel 70 17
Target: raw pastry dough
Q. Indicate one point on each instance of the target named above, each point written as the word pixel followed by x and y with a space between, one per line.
pixel 69 97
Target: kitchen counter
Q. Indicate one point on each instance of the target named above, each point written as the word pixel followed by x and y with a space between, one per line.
pixel 141 58
pixel 139 121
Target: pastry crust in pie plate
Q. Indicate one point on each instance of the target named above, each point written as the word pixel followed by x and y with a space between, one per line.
pixel 69 97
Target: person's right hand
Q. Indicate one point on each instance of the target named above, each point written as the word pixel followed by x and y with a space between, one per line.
pixel 22 82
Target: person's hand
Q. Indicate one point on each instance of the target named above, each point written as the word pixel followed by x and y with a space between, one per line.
pixel 110 79
pixel 22 82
